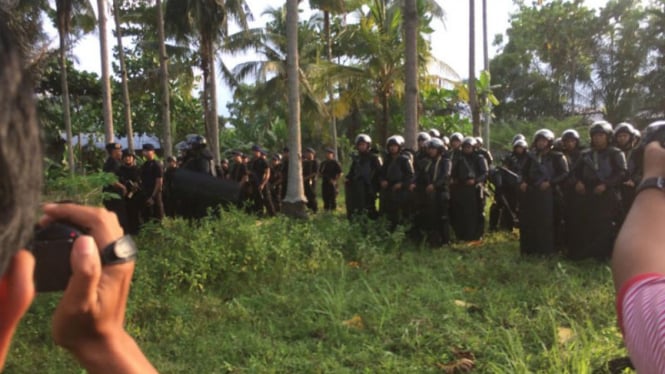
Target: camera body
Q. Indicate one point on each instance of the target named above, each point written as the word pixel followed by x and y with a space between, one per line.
pixel 51 247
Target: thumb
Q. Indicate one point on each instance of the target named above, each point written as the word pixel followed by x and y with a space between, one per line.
pixel 86 272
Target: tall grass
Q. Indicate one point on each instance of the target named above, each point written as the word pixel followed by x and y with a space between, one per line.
pixel 232 295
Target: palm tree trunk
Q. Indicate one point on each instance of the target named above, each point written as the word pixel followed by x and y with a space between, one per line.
pixel 333 119
pixel 385 118
pixel 65 97
pixel 167 139
pixel 205 67
pixel 411 73
pixel 214 117
pixel 486 67
pixel 106 79
pixel 123 71
pixel 473 99
pixel 294 202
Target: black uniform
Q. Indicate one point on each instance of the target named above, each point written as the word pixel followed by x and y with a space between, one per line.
pixel 310 169
pixel 362 184
pixel 199 161
pixel 260 196
pixel 276 186
pixel 171 201
pixel 574 221
pixel 330 170
pixel 396 170
pixel 504 213
pixel 238 173
pixel 116 205
pixel 130 177
pixel 537 216
pixel 466 212
pixel 433 218
pixel 600 212
pixel 153 206
pixel 634 174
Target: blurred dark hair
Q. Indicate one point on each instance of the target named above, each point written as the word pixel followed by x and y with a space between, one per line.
pixel 21 158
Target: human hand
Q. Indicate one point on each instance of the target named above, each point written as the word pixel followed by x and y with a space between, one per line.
pixel 544 186
pixel 579 188
pixel 600 189
pixel 523 187
pixel 89 320
pixel 412 187
pixel 470 182
pixel 629 183
pixel 397 186
pixel 429 188
pixel 384 184
pixel 654 160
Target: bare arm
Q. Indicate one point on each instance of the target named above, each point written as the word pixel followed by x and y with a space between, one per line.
pixel 639 246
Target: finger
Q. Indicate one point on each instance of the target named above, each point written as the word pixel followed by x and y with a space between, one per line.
pixel 17 287
pixel 81 292
pixel 98 222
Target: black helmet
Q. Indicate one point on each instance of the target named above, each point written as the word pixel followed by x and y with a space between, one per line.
pixel 570 134
pixel 195 141
pixel 544 133
pixel 601 127
pixel 424 136
pixel 363 138
pixel 434 133
pixel 436 143
pixel 395 140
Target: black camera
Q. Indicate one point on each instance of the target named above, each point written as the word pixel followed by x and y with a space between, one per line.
pixel 51 247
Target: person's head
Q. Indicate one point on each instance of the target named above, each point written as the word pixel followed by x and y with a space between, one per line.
pixel 434 133
pixel 600 133
pixel 624 135
pixel 543 140
pixel 330 154
pixel 148 151
pixel 363 143
pixel 479 142
pixel 127 157
pixel 519 146
pixel 171 162
pixel 423 138
pixel 257 151
pixel 236 156
pixel 309 153
pixel 20 151
pixel 276 159
pixel 435 147
pixel 456 139
pixel 570 139
pixel 394 144
pixel 114 150
pixel 468 145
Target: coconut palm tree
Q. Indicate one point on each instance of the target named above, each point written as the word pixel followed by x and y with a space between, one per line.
pixel 294 201
pixel 411 71
pixel 107 108
pixel 167 139
pixel 206 22
pixel 70 13
pixel 127 110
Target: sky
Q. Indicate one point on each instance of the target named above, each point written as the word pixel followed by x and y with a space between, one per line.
pixel 450 40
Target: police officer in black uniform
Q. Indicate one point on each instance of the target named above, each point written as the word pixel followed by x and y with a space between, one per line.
pixel 600 172
pixel 395 177
pixel 199 158
pixel 362 180
pixel 130 176
pixel 116 203
pixel 432 182
pixel 168 195
pixel 542 173
pixel 310 170
pixel 572 201
pixel 330 171
pixel 259 178
pixel 624 138
pixel 152 179
pixel 276 181
pixel 506 180
pixel 468 176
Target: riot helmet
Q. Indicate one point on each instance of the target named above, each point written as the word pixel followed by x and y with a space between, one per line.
pixel 395 140
pixel 424 136
pixel 457 136
pixel 437 144
pixel 544 133
pixel 601 127
pixel 570 134
pixel 434 133
pixel 517 137
pixel 363 138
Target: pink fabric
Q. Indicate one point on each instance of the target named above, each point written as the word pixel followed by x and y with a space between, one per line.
pixel 641 312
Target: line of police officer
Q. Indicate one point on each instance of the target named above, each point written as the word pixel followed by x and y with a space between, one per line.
pixel 567 198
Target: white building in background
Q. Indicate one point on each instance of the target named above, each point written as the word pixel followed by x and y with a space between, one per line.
pixel 97 140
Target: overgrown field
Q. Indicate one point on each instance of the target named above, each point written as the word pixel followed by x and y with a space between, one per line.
pixel 235 295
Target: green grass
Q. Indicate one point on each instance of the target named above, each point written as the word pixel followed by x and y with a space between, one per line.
pixel 324 296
